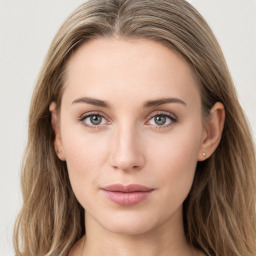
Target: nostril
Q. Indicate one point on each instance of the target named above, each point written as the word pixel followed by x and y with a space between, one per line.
pixel 125 157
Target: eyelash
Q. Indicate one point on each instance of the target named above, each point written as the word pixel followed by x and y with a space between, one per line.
pixel 173 119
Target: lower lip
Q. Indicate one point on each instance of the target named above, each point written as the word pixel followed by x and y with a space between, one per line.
pixel 128 198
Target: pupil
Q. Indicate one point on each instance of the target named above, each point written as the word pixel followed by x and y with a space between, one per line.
pixel 95 119
pixel 160 120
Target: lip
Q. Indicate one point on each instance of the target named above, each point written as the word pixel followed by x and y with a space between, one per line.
pixel 127 195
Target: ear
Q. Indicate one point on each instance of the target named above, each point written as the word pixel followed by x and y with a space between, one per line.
pixel 56 128
pixel 212 133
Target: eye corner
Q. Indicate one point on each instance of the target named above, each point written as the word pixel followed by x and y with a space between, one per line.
pixel 163 114
pixel 90 123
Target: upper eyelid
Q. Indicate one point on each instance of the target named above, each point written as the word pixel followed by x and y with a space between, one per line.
pixel 160 112
pixel 91 113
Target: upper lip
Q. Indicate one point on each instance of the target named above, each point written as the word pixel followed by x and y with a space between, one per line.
pixel 127 188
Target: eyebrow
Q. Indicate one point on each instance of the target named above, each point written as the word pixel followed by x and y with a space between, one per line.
pixel 92 101
pixel 151 103
pixel 162 101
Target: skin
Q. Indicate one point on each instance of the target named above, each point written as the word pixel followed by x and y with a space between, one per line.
pixel 129 146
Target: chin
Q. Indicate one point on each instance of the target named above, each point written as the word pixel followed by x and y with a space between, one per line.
pixel 129 229
pixel 129 224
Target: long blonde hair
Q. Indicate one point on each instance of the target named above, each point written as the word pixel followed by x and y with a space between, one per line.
pixel 219 212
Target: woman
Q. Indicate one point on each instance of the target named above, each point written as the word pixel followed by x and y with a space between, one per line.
pixel 137 143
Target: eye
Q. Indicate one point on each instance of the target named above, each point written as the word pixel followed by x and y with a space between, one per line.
pixel 96 120
pixel 162 120
pixel 93 120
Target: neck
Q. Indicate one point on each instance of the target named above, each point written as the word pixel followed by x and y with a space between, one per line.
pixel 168 238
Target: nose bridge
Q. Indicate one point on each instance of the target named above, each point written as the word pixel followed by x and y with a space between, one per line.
pixel 126 151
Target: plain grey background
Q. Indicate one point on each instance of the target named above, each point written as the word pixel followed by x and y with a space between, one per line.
pixel 26 30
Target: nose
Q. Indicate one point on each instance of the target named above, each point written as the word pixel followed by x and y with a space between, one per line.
pixel 126 150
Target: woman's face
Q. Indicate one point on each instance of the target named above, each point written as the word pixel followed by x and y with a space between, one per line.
pixel 130 114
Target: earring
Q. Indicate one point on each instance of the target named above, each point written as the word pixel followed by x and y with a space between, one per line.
pixel 58 150
pixel 204 154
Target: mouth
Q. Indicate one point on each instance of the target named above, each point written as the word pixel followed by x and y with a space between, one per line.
pixel 127 195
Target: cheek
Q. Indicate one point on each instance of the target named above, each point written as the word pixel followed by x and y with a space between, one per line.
pixel 175 161
pixel 85 157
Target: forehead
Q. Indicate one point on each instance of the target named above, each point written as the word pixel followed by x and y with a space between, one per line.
pixel 121 68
